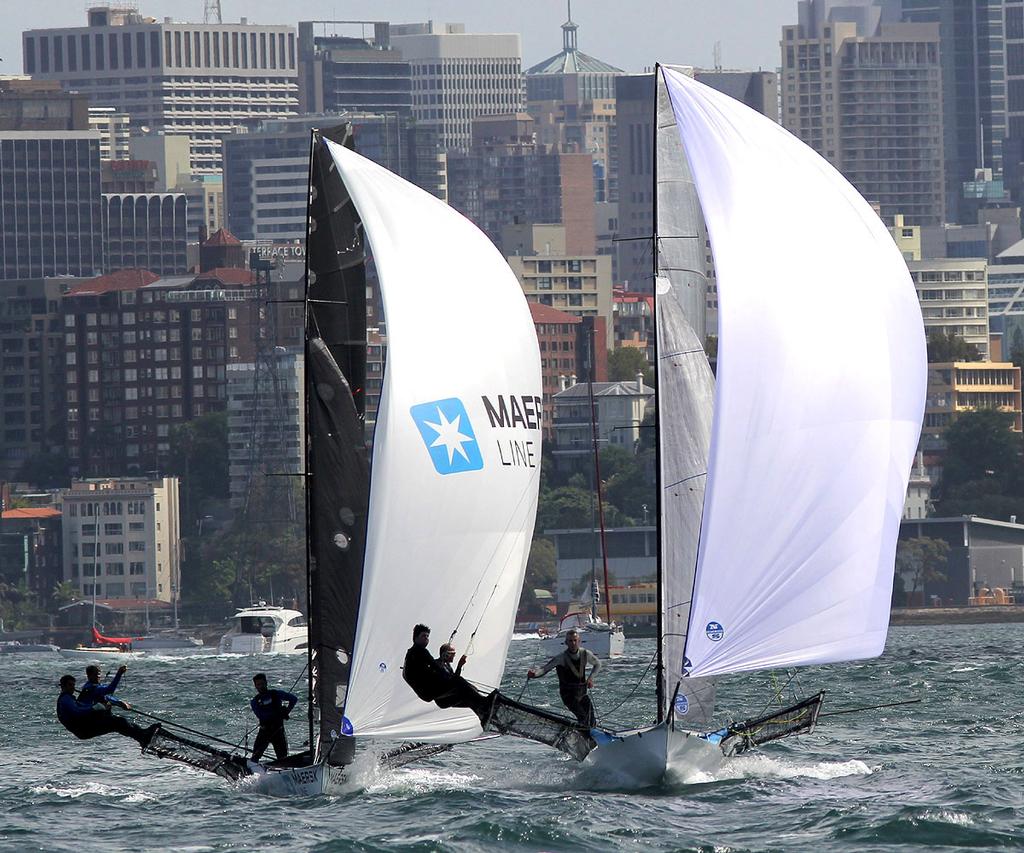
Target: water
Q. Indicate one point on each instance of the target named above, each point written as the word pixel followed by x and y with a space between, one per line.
pixel 945 774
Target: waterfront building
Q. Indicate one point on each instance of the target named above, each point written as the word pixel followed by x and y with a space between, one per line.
pixel 632 560
pixel 197 80
pixel 633 322
pixel 345 73
pixel 122 538
pixel 145 231
pixel 954 298
pixel 578 284
pixel 31 372
pixel 865 93
pixel 968 386
pixel 30 549
pixel 918 503
pixel 265 404
pixel 458 76
pixel 620 408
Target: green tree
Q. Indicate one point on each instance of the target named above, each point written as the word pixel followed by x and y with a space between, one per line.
pixel 540 567
pixel 63 593
pixel 922 560
pixel 944 346
pixel 46 470
pixel 1017 348
pixel 982 446
pixel 199 456
pixel 625 363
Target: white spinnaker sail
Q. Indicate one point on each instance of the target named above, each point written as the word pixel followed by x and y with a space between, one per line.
pixel 453 492
pixel 819 399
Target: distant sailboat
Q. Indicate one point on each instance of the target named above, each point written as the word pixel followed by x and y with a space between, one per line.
pixel 779 516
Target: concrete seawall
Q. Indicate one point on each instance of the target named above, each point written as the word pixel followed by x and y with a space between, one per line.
pixel 956 615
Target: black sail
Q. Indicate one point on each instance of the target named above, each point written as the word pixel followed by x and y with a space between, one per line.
pixel 337 467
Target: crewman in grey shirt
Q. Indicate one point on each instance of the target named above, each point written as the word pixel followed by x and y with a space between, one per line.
pixel 573 681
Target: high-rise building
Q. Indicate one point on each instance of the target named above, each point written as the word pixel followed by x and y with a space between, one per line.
pixel 458 76
pixel 866 95
pixel 507 178
pixel 27 104
pixel 200 80
pixel 122 538
pixel 571 96
pixel 31 372
pixel 50 210
pixel 954 298
pixel 114 128
pixel 974 62
pixel 345 73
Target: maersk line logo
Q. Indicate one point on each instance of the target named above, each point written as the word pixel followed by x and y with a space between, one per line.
pixel 446 431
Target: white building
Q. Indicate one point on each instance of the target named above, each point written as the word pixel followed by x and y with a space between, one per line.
pixel 457 76
pixel 265 420
pixel 200 80
pixel 122 535
pixel 954 298
pixel 620 409
pixel 114 129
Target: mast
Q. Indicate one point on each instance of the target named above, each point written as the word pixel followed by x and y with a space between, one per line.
pixel 591 361
pixel 659 667
pixel 314 137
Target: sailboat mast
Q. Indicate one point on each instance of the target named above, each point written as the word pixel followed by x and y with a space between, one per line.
pixel 591 361
pixel 314 137
pixel 659 668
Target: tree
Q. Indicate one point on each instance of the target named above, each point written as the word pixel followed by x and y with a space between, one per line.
pixel 981 446
pixel 199 455
pixel 63 593
pixel 540 567
pixel 625 363
pixel 1017 348
pixel 46 470
pixel 944 346
pixel 921 559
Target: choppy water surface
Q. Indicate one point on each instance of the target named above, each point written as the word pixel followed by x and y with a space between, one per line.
pixel 945 774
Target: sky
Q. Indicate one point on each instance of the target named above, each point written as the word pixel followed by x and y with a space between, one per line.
pixel 630 34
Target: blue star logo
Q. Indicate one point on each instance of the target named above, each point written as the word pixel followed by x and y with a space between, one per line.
pixel 446 431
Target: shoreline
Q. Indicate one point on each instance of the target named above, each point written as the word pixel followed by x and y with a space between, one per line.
pixel 983 615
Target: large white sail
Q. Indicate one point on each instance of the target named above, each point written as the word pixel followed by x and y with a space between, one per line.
pixel 819 399
pixel 456 456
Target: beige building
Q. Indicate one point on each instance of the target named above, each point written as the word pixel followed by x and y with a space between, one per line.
pixel 122 538
pixel 620 408
pixel 967 386
pixel 866 95
pixel 580 285
pixel 954 298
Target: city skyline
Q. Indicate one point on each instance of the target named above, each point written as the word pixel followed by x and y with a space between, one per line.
pixel 653 31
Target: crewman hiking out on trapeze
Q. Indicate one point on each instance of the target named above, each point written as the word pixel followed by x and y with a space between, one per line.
pixel 435 681
pixel 573 682
pixel 87 720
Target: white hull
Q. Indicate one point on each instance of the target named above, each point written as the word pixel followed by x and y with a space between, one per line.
pixel 98 654
pixel 655 756
pixel 604 644
pixel 265 630
pixel 311 781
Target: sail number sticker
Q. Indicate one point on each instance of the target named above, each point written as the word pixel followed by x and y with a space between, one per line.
pixel 715 631
pixel 446 431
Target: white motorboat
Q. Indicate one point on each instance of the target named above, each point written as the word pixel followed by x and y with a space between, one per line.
pixel 265 629
pixel 604 640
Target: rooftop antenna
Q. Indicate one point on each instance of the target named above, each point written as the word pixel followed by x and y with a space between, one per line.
pixel 211 12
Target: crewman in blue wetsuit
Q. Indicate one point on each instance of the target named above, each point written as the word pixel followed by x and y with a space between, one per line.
pixel 86 720
pixel 92 691
pixel 271 708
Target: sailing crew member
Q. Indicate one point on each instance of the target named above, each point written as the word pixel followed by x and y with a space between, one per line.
pixel 573 681
pixel 92 691
pixel 270 709
pixel 436 681
pixel 87 720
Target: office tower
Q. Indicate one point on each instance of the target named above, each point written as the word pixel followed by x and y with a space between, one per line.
pixel 200 80
pixel 114 128
pixel 347 73
pixel 866 94
pixel 975 65
pixel 458 76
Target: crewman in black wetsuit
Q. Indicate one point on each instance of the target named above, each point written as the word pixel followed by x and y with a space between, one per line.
pixel 435 681
pixel 85 720
pixel 573 681
pixel 92 691
pixel 269 708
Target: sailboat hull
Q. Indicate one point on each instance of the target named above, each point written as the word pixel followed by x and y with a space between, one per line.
pixel 311 781
pixel 655 756
pixel 604 644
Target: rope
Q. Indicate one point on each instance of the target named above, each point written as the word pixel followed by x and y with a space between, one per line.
pixel 172 724
pixel 636 687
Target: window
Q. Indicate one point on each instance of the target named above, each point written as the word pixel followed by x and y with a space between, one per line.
pixel 136 568
pixel 136 546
